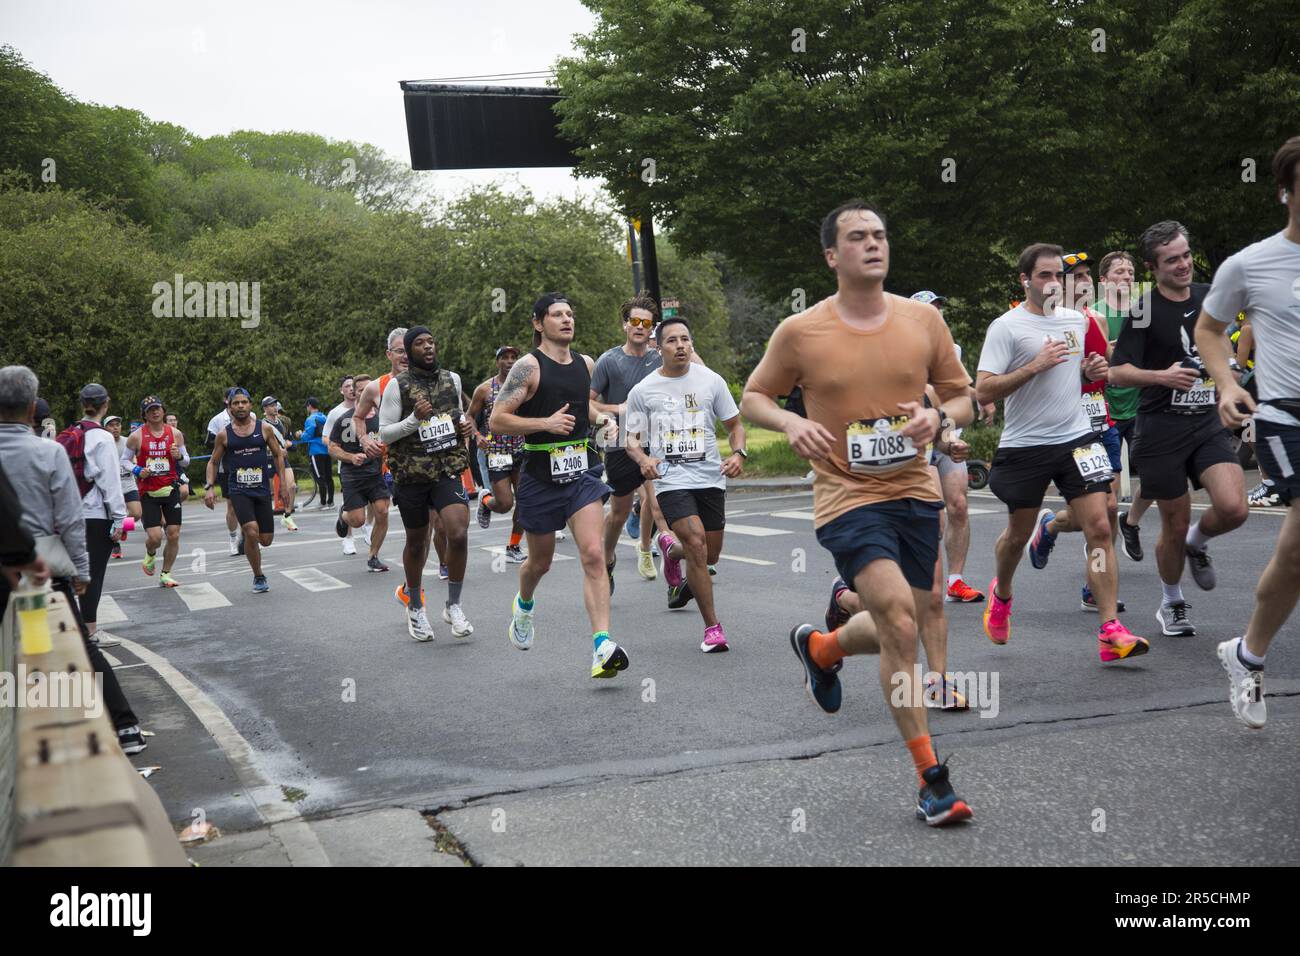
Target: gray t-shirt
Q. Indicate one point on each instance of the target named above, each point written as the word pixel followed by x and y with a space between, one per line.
pixel 677 416
pixel 617 373
pixel 1047 409
pixel 1263 280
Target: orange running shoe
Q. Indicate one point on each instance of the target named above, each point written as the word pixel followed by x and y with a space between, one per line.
pixel 405 598
pixel 997 616
pixel 959 592
pixel 1114 643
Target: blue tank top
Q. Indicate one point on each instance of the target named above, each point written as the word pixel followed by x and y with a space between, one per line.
pixel 249 463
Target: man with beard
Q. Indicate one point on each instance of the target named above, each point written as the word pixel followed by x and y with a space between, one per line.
pixel 422 421
pixel 155 450
pixel 253 449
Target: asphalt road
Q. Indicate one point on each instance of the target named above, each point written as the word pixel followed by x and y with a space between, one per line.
pixel 326 711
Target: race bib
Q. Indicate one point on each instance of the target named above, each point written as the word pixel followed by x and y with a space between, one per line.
pixel 1094 406
pixel 684 446
pixel 503 462
pixel 1199 397
pixel 875 446
pixel 1093 462
pixel 158 466
pixel 568 463
pixel 249 477
pixel 438 434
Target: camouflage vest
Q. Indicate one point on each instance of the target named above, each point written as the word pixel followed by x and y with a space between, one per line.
pixel 429 453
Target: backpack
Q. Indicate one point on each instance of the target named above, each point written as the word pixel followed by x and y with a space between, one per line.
pixel 73 440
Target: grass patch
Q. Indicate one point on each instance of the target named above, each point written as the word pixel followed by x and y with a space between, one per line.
pixel 293 794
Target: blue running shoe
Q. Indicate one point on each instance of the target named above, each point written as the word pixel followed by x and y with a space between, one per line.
pixel 259 584
pixel 937 804
pixel 1042 542
pixel 1089 603
pixel 634 522
pixel 823 686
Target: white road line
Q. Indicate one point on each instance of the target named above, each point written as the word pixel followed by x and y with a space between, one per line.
pixel 502 551
pixel 201 596
pixel 112 661
pixel 754 531
pixel 798 494
pixel 109 611
pixel 796 515
pixel 314 579
pixel 287 825
pixel 759 562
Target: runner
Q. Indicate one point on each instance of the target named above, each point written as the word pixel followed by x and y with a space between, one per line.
pixel 253 450
pixel 501 456
pixel 1078 293
pixel 1260 279
pixel 130 493
pixel 547 399
pixel 362 480
pixel 183 463
pixel 617 372
pixel 1180 435
pixel 421 420
pixel 874 497
pixel 1242 366
pixel 955 482
pixel 677 409
pixel 1033 357
pixel 216 426
pixel 271 413
pixel 154 449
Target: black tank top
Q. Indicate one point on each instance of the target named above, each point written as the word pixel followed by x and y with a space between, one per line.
pixel 558 459
pixel 249 462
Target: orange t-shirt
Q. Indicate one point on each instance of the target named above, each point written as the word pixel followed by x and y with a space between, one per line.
pixel 853 382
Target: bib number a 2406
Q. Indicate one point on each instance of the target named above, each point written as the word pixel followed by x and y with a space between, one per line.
pixel 876 445
pixel 568 463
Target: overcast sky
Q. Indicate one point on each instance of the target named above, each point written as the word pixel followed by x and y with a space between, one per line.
pixel 329 66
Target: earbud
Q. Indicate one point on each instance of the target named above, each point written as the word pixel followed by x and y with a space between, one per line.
pixel 1286 197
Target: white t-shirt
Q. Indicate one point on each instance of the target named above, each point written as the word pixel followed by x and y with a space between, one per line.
pixel 677 416
pixel 1046 409
pixel 1263 280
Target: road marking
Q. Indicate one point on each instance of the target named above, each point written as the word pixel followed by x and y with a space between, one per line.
pixel 109 611
pixel 796 515
pixel 287 825
pixel 754 531
pixel 982 511
pixel 502 551
pixel 314 579
pixel 758 561
pixel 202 596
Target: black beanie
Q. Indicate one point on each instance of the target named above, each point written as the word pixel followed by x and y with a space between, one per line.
pixel 412 334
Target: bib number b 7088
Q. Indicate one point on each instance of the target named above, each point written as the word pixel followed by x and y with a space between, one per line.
pixel 875 445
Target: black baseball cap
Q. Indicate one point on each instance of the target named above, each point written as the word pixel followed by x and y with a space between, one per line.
pixel 270 400
pixel 149 402
pixel 543 305
pixel 506 348
pixel 313 401
pixel 94 392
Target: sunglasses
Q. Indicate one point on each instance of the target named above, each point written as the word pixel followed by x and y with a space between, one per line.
pixel 642 323
pixel 1073 259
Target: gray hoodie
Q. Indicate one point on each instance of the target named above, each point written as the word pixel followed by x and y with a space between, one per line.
pixel 42 477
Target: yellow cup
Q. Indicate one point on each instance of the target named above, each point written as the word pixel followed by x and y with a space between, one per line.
pixel 33 622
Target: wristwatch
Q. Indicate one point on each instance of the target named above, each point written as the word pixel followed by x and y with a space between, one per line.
pixel 741 452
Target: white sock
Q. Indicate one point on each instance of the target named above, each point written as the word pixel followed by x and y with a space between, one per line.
pixel 1173 592
pixel 1244 653
pixel 369 527
pixel 1197 538
pixel 953 579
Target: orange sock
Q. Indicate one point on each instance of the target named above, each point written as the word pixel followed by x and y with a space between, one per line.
pixel 516 538
pixel 922 755
pixel 825 648
pixel 486 500
pixel 467 479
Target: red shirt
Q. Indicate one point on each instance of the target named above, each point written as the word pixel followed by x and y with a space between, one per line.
pixel 155 459
pixel 1095 343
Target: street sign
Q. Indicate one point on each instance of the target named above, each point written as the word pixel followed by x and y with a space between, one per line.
pixel 669 307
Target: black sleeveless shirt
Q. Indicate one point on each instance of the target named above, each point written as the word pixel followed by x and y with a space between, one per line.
pixel 248 462
pixel 558 459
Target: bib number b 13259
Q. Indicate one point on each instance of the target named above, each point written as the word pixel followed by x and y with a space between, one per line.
pixel 1199 397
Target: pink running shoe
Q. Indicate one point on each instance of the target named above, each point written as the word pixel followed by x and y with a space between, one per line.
pixel 997 616
pixel 714 640
pixel 1114 643
pixel 672 566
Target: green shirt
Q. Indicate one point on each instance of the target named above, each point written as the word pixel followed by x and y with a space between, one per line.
pixel 1123 402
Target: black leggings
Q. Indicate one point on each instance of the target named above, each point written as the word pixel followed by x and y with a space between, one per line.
pixel 99 545
pixel 320 470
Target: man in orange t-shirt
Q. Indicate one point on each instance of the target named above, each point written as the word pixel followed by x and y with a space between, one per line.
pixel 863 358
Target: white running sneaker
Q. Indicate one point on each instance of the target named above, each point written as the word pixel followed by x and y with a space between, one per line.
pixel 645 565
pixel 608 659
pixel 460 625
pixel 1246 686
pixel 417 625
pixel 234 544
pixel 365 530
pixel 521 626
pixel 560 536
pixel 349 547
